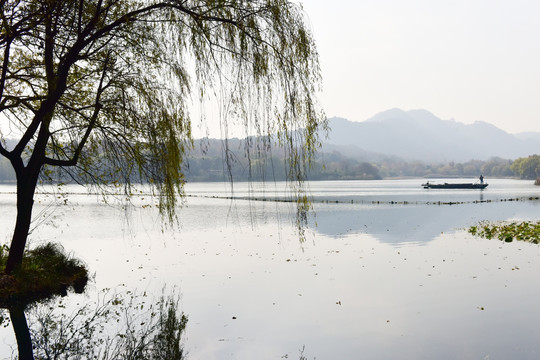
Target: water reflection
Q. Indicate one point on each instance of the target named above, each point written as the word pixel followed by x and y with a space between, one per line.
pixel 116 326
pixel 398 211
pixel 348 293
pixel 22 333
pixel 400 223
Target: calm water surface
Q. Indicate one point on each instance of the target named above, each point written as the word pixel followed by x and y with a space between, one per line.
pixel 384 272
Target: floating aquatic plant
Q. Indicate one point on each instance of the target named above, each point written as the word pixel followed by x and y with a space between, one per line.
pixel 508 231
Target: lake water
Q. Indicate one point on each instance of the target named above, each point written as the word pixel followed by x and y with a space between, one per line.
pixel 387 269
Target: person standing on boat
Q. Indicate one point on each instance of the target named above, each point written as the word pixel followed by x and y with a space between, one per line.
pixel 481 179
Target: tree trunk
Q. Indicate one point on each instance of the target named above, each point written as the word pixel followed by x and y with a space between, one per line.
pixel 27 178
pixel 25 201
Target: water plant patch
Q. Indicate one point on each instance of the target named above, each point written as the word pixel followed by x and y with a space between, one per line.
pixel 508 231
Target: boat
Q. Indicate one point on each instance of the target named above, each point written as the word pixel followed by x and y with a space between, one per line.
pixel 455 186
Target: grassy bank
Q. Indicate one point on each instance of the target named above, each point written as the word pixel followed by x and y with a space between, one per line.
pixel 46 271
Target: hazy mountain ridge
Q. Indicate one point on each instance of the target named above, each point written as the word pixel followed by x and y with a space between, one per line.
pixel 393 143
pixel 530 135
pixel 420 135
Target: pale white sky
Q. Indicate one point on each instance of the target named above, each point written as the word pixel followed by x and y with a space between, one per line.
pixel 470 60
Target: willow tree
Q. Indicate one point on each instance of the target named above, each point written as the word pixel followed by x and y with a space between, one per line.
pixel 101 88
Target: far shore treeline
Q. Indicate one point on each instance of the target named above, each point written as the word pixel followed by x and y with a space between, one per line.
pixel 206 163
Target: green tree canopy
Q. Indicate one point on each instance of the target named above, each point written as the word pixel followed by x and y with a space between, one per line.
pixel 527 168
pixel 102 88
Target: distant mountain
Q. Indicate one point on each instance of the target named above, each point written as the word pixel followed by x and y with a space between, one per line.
pixel 529 136
pixel 420 135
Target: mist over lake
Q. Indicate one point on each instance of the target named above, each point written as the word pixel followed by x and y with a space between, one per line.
pixel 387 268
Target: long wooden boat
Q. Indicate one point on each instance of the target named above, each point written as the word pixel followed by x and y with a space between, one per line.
pixel 455 186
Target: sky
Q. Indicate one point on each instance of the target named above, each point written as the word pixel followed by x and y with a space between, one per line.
pixel 467 60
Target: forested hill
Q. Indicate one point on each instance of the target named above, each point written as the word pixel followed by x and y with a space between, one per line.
pixel 248 159
pixel 420 135
pixel 209 161
pixel 394 143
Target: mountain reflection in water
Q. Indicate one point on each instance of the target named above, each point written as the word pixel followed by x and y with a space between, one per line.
pixel 400 223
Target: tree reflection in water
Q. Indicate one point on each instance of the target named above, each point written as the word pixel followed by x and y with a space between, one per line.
pixel 22 333
pixel 117 326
